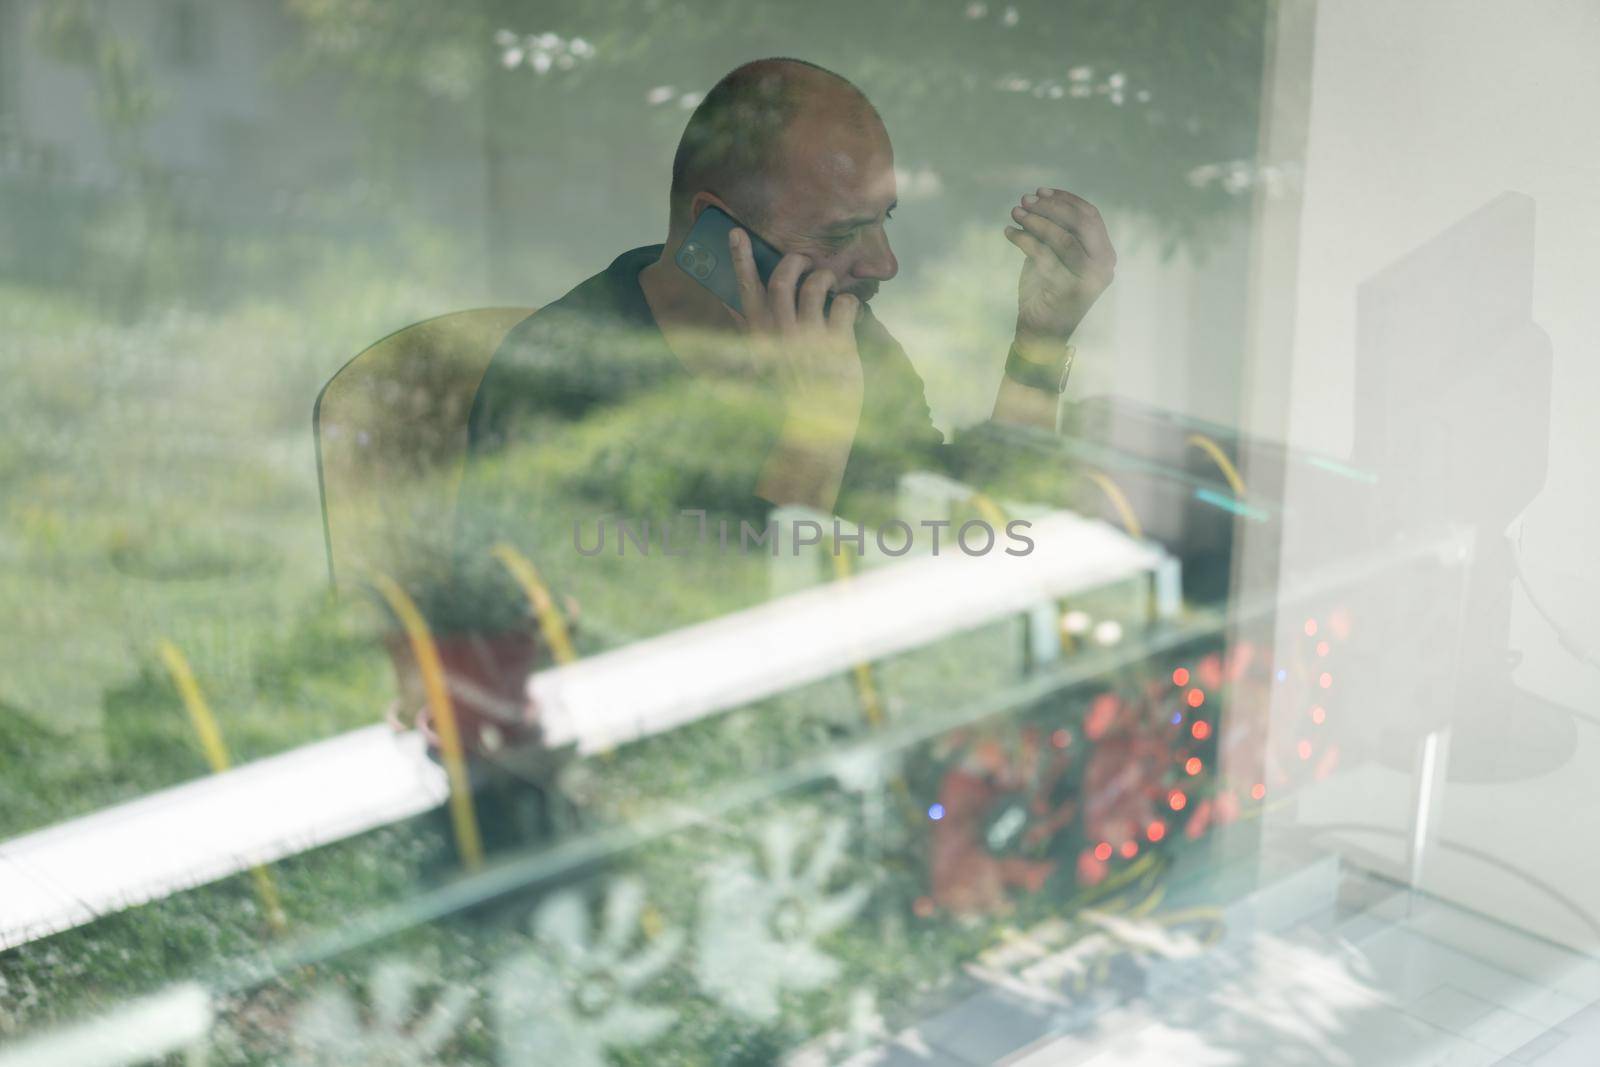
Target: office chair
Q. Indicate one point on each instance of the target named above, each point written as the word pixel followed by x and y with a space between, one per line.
pixel 391 434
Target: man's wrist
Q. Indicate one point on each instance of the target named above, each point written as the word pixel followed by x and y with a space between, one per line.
pixel 1048 349
pixel 825 418
pixel 1040 363
pixel 803 470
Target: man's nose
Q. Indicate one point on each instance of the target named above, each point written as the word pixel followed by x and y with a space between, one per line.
pixel 877 261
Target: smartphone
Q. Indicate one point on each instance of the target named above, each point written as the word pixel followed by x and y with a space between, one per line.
pixel 706 257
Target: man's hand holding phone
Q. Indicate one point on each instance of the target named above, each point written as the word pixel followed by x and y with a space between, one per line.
pixel 809 344
pixel 808 341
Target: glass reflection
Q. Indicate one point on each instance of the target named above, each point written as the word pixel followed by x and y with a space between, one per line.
pixel 756 647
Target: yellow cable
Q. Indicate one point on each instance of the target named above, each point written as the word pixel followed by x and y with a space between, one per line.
pixel 551 624
pixel 991 512
pixel 1220 458
pixel 205 725
pixel 996 516
pixel 1148 904
pixel 1132 872
pixel 462 815
pixel 1130 521
pixel 866 689
pixel 1204 911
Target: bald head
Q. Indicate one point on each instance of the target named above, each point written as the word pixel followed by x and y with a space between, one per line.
pixel 741 142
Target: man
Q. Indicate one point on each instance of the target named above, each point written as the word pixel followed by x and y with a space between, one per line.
pixel 787 403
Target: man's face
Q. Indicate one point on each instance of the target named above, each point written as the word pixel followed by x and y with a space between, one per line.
pixel 833 194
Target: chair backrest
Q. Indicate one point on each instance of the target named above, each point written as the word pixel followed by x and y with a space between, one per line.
pixel 391 433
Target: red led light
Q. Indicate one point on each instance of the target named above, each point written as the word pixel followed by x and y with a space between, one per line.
pixel 1061 739
pixel 1102 712
pixel 1325 680
pixel 1322 648
pixel 1192 765
pixel 1195 698
pixel 1318 714
pixel 1239 660
pixel 1198 821
pixel 1258 791
pixel 1102 851
pixel 1201 729
pixel 1176 800
pixel 1156 831
pixel 1180 676
pixel 1311 627
pixel 1339 622
pixel 1129 849
pixel 1304 749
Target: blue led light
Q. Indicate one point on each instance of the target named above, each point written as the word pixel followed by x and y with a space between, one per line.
pixel 1282 674
pixel 1348 472
pixel 935 812
pixel 1177 717
pixel 1228 503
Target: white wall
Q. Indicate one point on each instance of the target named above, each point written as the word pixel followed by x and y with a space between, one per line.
pixel 1421 113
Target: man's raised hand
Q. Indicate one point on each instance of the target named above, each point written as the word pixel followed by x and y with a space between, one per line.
pixel 1070 262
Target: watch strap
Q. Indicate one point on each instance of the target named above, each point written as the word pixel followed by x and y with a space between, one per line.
pixel 1040 376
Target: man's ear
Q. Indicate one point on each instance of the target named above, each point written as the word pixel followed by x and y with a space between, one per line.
pixel 703 200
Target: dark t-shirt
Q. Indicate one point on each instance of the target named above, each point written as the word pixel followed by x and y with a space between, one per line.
pixel 591 375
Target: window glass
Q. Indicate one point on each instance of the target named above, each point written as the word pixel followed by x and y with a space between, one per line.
pixel 752 533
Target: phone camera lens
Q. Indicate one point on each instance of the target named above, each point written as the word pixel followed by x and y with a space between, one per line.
pixel 698 261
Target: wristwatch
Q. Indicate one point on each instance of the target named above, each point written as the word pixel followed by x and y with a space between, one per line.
pixel 1024 371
